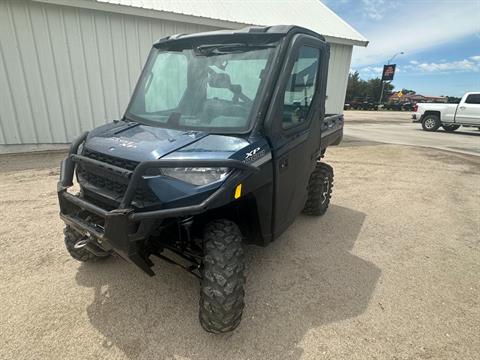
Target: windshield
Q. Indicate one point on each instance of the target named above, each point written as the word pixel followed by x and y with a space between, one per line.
pixel 210 88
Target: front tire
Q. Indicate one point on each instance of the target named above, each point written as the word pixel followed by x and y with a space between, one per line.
pixel 431 123
pixel 223 277
pixel 319 190
pixel 450 128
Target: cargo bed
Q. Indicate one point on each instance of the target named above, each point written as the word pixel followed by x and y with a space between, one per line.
pixel 332 130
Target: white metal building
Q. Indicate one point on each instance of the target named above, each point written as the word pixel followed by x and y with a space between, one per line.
pixel 67 66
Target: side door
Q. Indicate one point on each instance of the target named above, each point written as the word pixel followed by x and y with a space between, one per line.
pixel 468 111
pixel 297 110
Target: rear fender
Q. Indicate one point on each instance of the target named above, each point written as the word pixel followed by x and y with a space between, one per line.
pixel 432 112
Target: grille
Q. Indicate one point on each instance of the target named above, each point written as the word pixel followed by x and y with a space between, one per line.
pixel 111 186
pixel 112 160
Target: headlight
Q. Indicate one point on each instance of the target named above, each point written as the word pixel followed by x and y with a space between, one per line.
pixel 197 175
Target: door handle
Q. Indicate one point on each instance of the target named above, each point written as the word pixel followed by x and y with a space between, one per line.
pixel 283 164
pixel 462 107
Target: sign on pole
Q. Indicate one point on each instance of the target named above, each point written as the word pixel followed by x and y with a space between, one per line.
pixel 388 72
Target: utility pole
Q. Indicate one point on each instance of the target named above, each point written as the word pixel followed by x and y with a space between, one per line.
pixel 383 82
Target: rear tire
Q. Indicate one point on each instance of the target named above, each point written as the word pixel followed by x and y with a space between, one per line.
pixel 319 190
pixel 431 123
pixel 450 128
pixel 223 277
pixel 71 238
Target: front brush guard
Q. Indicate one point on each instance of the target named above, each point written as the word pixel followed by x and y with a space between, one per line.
pixel 125 226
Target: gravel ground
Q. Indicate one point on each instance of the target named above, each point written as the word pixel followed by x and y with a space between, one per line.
pixel 390 272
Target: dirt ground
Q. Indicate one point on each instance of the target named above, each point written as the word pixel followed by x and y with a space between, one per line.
pixel 390 272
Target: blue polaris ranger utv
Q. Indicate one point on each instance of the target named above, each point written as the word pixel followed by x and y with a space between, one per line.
pixel 220 144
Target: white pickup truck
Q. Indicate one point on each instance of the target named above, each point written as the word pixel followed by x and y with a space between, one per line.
pixel 449 116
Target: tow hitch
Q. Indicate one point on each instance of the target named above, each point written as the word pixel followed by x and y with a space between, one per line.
pixel 89 244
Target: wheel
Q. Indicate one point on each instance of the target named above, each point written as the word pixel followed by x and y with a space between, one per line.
pixel 71 238
pixel 431 123
pixel 319 190
pixel 223 277
pixel 450 128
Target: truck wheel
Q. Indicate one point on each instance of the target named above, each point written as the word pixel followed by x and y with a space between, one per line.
pixel 431 123
pixel 450 128
pixel 319 190
pixel 71 238
pixel 223 277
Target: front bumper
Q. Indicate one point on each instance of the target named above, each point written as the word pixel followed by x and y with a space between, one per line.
pixel 123 229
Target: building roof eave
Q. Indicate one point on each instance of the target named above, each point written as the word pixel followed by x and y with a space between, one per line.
pixel 173 16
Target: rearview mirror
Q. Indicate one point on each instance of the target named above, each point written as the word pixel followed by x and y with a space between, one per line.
pixel 221 81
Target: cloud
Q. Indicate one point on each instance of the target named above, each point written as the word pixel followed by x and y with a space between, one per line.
pixel 472 64
pixel 465 65
pixel 333 2
pixel 363 9
pixel 413 30
pixel 370 71
pixel 377 9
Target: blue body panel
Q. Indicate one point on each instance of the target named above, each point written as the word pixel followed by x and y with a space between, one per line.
pixel 139 143
pixel 136 142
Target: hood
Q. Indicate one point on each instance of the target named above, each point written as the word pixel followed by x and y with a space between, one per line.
pixel 211 147
pixel 136 142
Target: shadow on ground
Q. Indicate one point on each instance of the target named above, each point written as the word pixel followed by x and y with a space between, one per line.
pixel 349 141
pixel 294 285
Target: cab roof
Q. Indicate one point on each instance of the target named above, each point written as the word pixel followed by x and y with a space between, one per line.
pixel 269 32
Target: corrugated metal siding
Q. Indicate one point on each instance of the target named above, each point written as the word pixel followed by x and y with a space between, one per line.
pixel 65 70
pixel 338 69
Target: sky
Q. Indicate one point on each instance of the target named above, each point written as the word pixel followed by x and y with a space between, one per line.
pixel 440 40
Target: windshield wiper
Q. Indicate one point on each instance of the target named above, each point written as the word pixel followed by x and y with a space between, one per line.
pixel 220 49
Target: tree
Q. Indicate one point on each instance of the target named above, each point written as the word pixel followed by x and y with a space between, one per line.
pixel 373 89
pixel 453 99
pixel 353 86
pixel 387 90
pixel 361 90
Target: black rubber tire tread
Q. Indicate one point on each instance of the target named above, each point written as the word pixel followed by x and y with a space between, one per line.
pixel 437 125
pixel 450 128
pixel 71 237
pixel 223 277
pixel 313 205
